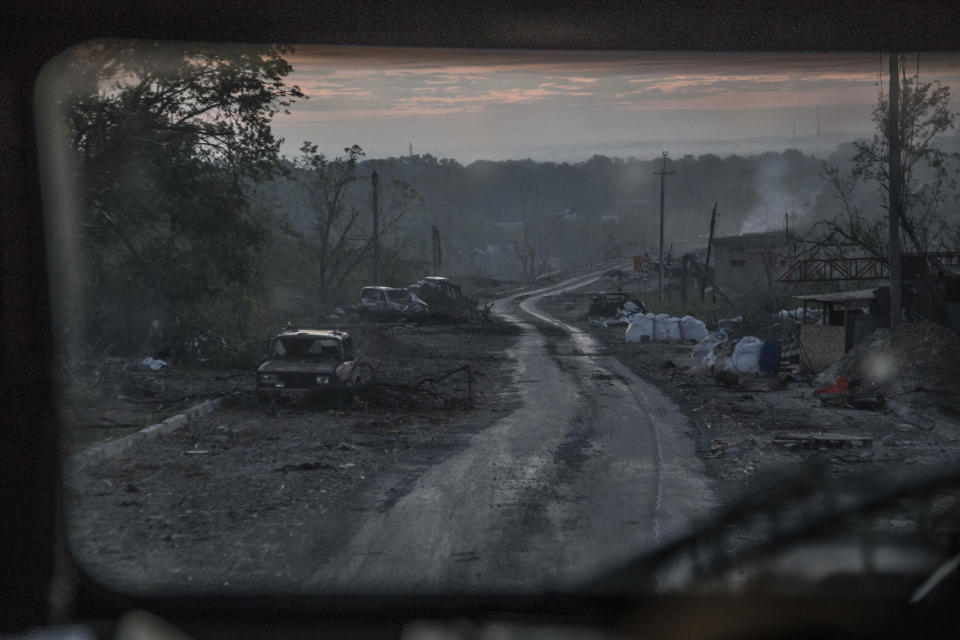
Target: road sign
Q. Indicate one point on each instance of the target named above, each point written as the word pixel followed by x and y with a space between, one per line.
pixel 642 263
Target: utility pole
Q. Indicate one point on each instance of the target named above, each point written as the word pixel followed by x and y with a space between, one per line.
pixel 706 265
pixel 893 158
pixel 375 182
pixel 662 173
pixel 437 251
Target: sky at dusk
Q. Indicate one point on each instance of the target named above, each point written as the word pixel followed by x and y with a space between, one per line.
pixel 567 106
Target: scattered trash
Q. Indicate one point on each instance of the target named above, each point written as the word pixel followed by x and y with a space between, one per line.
pixel 152 364
pixel 614 304
pixel 196 451
pixel 629 308
pixel 726 378
pixel 821 441
pixel 730 323
pixel 812 316
pixel 612 322
pixel 745 357
pixel 840 386
pixel 703 355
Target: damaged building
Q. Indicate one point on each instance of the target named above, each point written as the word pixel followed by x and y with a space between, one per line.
pixel 753 261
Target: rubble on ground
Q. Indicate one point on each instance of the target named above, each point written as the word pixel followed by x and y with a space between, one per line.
pixel 916 356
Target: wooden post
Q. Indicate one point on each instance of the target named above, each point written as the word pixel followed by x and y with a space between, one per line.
pixel 706 265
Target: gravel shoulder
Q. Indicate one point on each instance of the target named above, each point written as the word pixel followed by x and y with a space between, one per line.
pixel 737 429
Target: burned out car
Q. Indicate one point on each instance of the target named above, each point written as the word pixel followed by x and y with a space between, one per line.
pixel 446 299
pixel 303 360
pixel 390 302
pixel 435 289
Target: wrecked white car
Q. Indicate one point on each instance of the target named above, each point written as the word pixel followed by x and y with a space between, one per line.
pixel 303 360
pixel 390 302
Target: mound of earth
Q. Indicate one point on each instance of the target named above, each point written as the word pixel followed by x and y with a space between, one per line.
pixel 916 356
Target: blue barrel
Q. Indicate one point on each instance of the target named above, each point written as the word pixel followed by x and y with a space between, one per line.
pixel 770 356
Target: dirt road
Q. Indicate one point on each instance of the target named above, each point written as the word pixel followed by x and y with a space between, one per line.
pixel 565 462
pixel 595 465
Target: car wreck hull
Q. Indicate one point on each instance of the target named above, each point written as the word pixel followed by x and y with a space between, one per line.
pixel 288 378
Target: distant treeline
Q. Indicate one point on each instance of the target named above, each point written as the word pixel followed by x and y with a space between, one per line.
pixel 577 212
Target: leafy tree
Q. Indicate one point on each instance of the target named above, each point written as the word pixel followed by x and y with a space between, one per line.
pixel 926 179
pixel 170 141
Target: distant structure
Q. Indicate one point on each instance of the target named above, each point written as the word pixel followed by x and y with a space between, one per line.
pixel 818 120
pixel 411 149
pixel 752 262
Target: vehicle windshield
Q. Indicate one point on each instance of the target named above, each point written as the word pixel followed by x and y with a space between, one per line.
pixel 652 284
pixel 307 348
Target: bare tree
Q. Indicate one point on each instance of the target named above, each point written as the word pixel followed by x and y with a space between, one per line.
pixel 926 178
pixel 343 240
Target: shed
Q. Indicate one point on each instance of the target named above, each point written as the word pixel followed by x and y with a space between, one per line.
pixel 823 344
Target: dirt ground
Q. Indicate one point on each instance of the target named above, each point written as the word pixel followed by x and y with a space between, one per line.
pixel 740 431
pixel 262 473
pixel 265 474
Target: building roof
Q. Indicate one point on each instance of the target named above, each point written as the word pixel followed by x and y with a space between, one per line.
pixel 765 240
pixel 841 297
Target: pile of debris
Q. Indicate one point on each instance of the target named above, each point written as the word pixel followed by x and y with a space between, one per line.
pixel 615 307
pixel 916 356
pixel 747 355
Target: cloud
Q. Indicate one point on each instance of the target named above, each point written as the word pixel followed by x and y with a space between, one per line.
pixel 584 92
